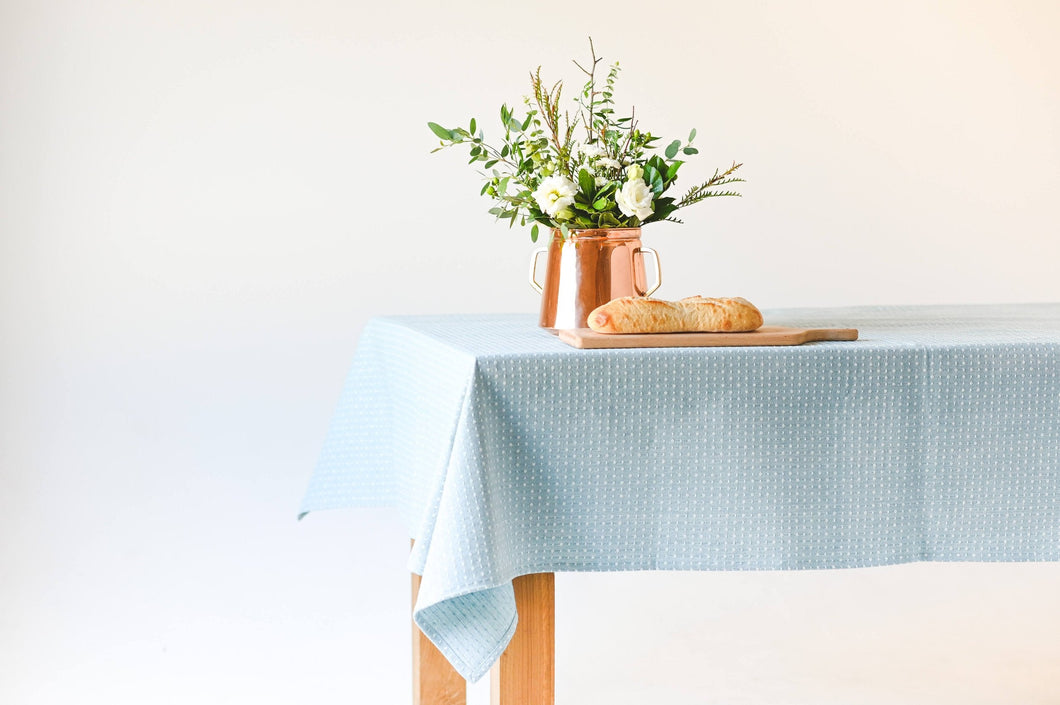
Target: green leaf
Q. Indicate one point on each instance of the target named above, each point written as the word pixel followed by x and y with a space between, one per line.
pixel 566 231
pixel 601 204
pixel 607 189
pixel 654 179
pixel 533 233
pixel 491 163
pixel 692 134
pixel 650 173
pixel 439 130
pixel 585 182
pixel 671 151
pixel 472 128
pixel 671 172
pixel 690 150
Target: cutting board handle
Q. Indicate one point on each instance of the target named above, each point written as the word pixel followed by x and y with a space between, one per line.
pixel 831 334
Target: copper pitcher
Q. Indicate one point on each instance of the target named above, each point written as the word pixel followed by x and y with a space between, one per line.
pixel 588 269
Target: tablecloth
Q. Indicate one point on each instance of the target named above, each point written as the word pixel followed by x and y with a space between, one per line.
pixel 935 437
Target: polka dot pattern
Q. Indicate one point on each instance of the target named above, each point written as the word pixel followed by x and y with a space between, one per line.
pixel 935 437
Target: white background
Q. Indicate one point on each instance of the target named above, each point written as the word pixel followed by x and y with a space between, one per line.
pixel 202 202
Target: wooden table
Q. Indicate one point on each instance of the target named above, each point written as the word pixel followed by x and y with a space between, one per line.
pixel 526 671
pixel 935 437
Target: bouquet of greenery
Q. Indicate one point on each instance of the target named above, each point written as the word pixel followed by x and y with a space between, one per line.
pixel 612 179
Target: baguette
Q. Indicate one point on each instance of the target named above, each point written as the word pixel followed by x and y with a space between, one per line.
pixel 632 314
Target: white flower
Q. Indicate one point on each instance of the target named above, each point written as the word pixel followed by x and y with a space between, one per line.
pixel 634 198
pixel 601 181
pixel 591 151
pixel 555 193
pixel 608 163
pixel 634 172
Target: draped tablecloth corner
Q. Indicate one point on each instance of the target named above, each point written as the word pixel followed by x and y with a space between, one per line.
pixel 935 437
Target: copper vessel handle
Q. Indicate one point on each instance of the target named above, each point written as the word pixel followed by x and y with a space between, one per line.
pixel 658 269
pixel 533 269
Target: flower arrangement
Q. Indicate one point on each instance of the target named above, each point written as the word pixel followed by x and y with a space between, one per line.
pixel 613 178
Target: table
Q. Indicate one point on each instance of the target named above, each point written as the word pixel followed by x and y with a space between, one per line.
pixel 510 456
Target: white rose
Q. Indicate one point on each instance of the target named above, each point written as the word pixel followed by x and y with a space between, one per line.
pixel 634 172
pixel 591 151
pixel 634 198
pixel 555 193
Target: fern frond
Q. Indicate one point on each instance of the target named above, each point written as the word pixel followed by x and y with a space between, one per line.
pixel 701 192
pixel 704 195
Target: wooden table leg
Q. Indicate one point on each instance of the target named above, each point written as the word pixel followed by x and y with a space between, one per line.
pixel 434 681
pixel 526 671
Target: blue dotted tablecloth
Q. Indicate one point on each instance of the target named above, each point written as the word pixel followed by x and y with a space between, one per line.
pixel 935 437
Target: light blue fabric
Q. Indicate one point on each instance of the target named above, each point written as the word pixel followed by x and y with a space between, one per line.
pixel 935 437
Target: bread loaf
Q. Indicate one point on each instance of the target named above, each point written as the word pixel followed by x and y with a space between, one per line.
pixel 633 314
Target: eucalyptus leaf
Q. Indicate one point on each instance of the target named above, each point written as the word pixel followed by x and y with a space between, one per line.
pixel 672 150
pixel 439 130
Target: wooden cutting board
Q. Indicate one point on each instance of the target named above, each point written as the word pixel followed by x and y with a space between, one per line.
pixel 766 335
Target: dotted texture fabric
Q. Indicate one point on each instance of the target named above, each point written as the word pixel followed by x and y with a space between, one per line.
pixel 935 437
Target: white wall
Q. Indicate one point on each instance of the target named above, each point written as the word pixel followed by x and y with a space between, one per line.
pixel 202 202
